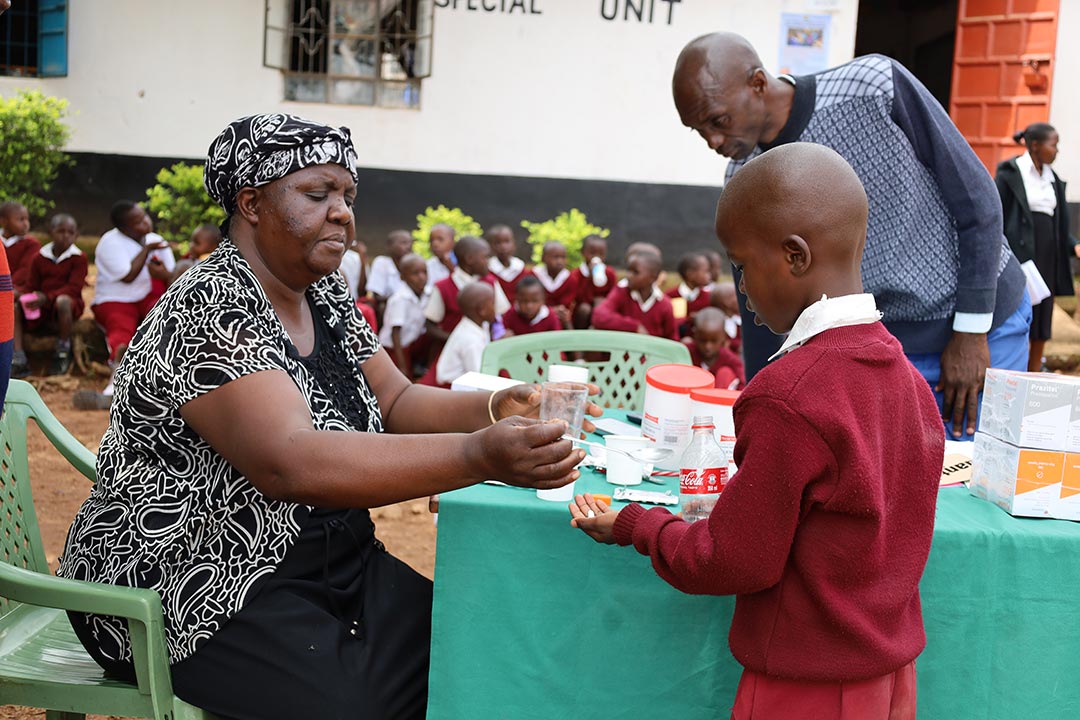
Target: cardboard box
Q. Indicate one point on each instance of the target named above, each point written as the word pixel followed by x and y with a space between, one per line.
pixel 1022 481
pixel 1031 410
pixel 1068 507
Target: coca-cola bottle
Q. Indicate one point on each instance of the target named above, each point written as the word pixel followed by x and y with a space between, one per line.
pixel 702 471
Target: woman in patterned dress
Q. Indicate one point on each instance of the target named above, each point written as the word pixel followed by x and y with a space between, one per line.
pixel 255 420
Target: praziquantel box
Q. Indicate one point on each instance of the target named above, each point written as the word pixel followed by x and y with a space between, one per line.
pixel 1031 410
pixel 1022 481
pixel 1068 507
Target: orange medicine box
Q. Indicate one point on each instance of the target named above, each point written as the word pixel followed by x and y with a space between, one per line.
pixel 1068 507
pixel 1022 481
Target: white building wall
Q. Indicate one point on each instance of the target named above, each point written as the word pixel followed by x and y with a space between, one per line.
pixel 1065 101
pixel 558 93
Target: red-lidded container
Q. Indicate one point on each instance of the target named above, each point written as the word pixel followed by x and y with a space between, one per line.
pixel 667 412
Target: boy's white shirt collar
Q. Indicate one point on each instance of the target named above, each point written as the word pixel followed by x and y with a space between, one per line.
pixel 72 250
pixel 646 304
pixel 506 272
pixel 483 327
pixel 732 323
pixel 540 316
pixel 551 284
pixel 828 313
pixel 9 241
pixel 462 278
pixel 687 294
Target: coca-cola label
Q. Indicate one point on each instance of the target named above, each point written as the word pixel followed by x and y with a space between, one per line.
pixel 702 481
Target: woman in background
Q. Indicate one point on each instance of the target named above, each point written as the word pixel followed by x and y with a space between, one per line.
pixel 1036 224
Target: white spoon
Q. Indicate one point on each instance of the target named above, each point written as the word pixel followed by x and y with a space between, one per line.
pixel 643 455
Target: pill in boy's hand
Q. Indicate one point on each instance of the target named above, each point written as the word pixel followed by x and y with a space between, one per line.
pixel 591 514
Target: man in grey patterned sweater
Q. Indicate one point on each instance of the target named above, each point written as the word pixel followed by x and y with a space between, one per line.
pixel 936 259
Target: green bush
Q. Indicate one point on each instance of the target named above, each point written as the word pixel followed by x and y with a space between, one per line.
pixel 454 217
pixel 32 137
pixel 180 203
pixel 570 228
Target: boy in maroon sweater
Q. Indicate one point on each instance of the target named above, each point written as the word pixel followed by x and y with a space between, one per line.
pixel 639 306
pixel 560 283
pixel 823 533
pixel 595 279
pixel 694 289
pixel 530 314
pixel 507 268
pixel 21 248
pixel 55 282
pixel 709 349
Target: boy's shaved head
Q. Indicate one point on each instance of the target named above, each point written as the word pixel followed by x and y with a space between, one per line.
pixel 649 261
pixel 794 220
pixel 709 319
pixel 798 189
pixel 410 260
pixel 468 245
pixel 473 295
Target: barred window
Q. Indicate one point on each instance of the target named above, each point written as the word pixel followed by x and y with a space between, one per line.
pixel 33 39
pixel 355 52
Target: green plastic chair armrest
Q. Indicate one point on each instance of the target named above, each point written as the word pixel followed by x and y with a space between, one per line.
pixel 22 392
pixel 43 590
pixel 140 606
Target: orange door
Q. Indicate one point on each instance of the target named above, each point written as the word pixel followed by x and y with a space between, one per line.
pixel 1003 73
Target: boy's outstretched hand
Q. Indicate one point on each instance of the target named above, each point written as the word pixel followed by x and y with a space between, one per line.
pixel 594 517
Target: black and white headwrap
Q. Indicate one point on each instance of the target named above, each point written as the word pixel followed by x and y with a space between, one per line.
pixel 258 149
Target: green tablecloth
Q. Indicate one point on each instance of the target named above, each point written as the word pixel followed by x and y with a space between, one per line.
pixel 532 619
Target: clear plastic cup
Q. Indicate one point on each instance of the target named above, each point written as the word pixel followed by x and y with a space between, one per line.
pixel 563 401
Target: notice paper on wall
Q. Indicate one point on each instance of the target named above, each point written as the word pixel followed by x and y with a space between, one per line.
pixel 804 43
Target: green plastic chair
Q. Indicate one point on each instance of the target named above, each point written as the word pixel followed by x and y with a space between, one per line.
pixel 621 376
pixel 42 662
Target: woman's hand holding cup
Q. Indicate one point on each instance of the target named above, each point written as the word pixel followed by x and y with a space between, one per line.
pixel 524 400
pixel 525 452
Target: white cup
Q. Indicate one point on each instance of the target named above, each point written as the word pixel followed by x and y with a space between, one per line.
pixel 622 470
pixel 563 494
pixel 568 373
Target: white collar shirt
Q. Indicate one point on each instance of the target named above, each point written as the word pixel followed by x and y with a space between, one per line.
pixel 436 307
pixel 72 251
pixel 384 279
pixel 551 284
pixel 113 257
pixel 404 309
pixel 828 313
pixel 506 272
pixel 646 302
pixel 687 294
pixel 463 351
pixel 1039 187
pixel 436 271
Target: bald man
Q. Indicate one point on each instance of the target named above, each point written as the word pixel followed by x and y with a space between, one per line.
pixel 936 259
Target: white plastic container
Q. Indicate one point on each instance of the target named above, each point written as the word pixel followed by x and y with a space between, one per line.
pixel 568 373
pixel 668 408
pixel 718 403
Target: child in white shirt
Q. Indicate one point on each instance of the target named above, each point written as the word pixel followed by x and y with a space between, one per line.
pixel 402 331
pixel 465 346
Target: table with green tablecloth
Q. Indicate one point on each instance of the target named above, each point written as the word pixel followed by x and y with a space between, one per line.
pixel 532 619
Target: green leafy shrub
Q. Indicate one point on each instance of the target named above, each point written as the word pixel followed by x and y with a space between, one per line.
pixel 454 217
pixel 32 137
pixel 570 228
pixel 180 203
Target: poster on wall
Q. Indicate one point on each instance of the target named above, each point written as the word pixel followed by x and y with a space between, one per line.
pixel 804 43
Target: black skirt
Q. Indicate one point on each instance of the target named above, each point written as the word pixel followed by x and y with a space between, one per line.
pixel 341 630
pixel 1046 259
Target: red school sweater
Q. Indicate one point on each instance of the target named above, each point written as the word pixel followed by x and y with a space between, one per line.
pixel 823 533
pixel 515 323
pixel 21 253
pixel 66 277
pixel 587 292
pixel 449 291
pixel 692 306
pixel 509 287
pixel 726 367
pixel 620 311
pixel 564 294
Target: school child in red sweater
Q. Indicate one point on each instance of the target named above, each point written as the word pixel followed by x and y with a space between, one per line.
pixel 55 282
pixel 823 533
pixel 693 267
pixel 595 279
pixel 507 268
pixel 560 283
pixel 20 246
pixel 639 306
pixel 708 345
pixel 723 298
pixel 530 313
